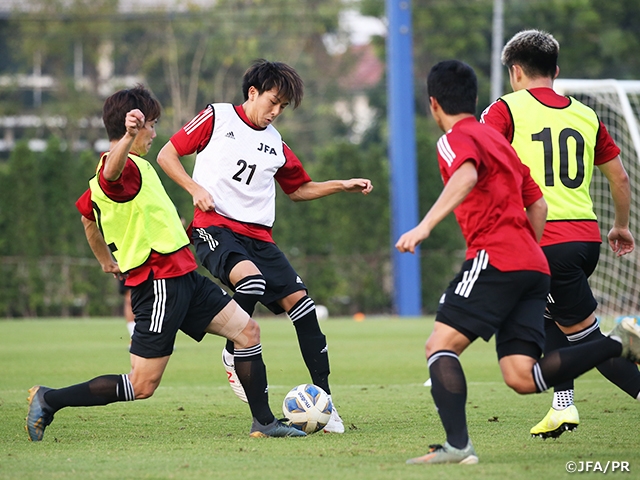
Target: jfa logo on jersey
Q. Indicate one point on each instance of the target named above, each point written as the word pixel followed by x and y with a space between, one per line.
pixel 267 149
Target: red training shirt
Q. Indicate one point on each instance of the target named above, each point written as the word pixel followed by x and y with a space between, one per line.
pixel 492 216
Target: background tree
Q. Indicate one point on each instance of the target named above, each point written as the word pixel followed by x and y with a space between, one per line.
pixel 194 56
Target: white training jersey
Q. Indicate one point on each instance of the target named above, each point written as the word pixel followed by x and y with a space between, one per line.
pixel 238 165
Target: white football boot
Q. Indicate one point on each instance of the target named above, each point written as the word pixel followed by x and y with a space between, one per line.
pixel 234 381
pixel 335 424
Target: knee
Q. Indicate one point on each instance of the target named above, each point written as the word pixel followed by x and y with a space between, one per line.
pixel 144 389
pixel 250 335
pixel 430 347
pixel 521 384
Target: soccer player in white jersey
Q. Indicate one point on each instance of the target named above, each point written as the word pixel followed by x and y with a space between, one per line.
pixel 135 233
pixel 240 157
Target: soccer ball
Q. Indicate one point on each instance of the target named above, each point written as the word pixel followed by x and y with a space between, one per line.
pixel 322 312
pixel 307 407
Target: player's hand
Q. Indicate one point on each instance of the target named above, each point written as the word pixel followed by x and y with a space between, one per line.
pixel 134 121
pixel 410 240
pixel 358 185
pixel 203 200
pixel 621 241
pixel 113 268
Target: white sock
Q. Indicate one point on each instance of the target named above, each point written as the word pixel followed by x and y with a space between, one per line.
pixel 562 399
pixel 228 357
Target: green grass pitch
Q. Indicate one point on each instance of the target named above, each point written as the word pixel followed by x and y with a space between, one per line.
pixel 195 427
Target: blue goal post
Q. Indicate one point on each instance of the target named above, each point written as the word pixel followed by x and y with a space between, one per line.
pixel 402 155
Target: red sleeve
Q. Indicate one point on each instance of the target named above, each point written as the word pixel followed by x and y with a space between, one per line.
pixel 453 151
pixel 498 116
pixel 85 206
pixel 124 188
pixel 195 135
pixel 530 190
pixel 606 148
pixel 292 174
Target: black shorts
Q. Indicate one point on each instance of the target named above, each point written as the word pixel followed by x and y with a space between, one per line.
pixel 122 288
pixel 481 302
pixel 570 298
pixel 220 249
pixel 162 307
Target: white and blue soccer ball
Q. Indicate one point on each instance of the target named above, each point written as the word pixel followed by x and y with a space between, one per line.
pixel 307 407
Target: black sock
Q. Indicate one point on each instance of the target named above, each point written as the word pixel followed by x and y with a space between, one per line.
pixel 561 365
pixel 247 293
pixel 99 391
pixel 621 372
pixel 449 392
pixel 253 376
pixel 555 339
pixel 313 343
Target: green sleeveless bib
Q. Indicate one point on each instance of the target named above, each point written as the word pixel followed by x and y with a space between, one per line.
pixel 147 222
pixel 558 146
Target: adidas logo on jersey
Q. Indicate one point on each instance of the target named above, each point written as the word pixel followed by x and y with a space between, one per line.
pixel 230 135
pixel 298 280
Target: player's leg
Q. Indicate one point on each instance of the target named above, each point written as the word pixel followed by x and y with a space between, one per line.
pixel 313 343
pixel 620 371
pixel 524 373
pixel 44 402
pixel 563 414
pixel 285 292
pixel 140 383
pixel 573 308
pixel 152 343
pixel 248 285
pixel 224 255
pixel 233 323
pixel 449 392
pixel 583 326
pixel 519 343
pixel 313 346
pixel 569 302
pixel 449 387
pixel 468 310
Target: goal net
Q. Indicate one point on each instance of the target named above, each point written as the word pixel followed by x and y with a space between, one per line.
pixel 616 281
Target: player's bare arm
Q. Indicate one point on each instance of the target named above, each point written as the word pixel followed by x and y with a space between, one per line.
pixel 620 238
pixel 119 151
pixel 99 247
pixel 314 190
pixel 537 215
pixel 169 161
pixel 455 191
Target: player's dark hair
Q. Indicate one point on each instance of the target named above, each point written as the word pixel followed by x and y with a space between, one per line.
pixel 535 51
pixel 265 75
pixel 117 106
pixel 454 85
